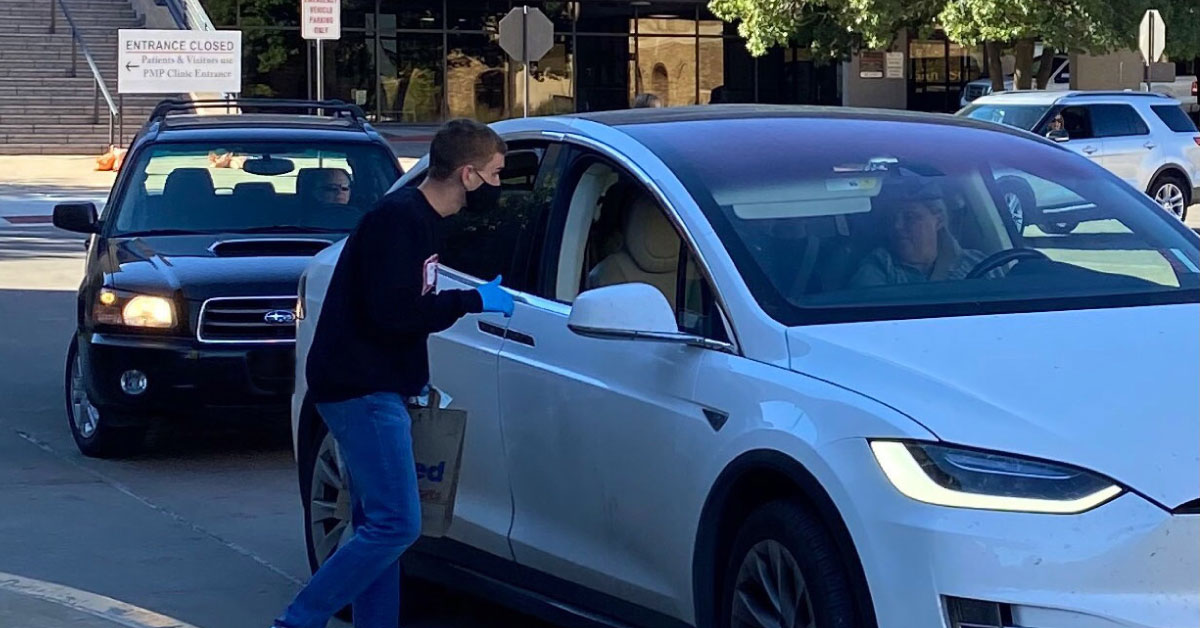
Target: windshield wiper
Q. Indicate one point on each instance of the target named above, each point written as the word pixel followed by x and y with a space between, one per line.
pixel 289 229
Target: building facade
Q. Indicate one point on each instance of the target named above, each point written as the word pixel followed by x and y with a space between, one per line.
pixel 422 61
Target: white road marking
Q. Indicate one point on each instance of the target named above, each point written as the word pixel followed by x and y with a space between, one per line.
pixel 107 608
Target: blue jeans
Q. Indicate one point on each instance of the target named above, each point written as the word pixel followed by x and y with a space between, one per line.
pixel 374 437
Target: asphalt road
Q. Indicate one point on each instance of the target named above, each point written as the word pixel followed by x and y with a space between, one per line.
pixel 205 528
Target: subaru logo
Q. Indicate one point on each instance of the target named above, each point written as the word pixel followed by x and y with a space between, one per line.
pixel 280 317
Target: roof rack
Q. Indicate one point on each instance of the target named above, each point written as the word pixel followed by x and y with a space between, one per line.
pixel 1113 92
pixel 331 108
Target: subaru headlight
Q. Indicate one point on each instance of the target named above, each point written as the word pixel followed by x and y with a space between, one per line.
pixel 967 478
pixel 133 310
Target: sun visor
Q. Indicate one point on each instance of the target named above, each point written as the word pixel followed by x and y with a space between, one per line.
pixel 832 196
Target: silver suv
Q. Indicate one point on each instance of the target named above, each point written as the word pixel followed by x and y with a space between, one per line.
pixel 1144 138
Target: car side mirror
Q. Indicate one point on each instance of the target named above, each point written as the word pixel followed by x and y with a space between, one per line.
pixel 1059 136
pixel 631 311
pixel 79 217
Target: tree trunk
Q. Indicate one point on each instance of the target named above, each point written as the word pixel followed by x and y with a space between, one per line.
pixel 1045 68
pixel 995 65
pixel 1023 74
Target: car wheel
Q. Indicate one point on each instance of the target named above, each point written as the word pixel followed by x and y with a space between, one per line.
pixel 94 436
pixel 1020 201
pixel 1170 192
pixel 785 570
pixel 327 513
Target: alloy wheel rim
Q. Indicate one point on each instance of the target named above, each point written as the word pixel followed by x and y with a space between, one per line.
pixel 1170 197
pixel 770 590
pixel 329 502
pixel 1015 209
pixel 84 415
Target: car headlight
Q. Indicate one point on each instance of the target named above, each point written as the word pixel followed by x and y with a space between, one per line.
pixel 133 310
pixel 966 478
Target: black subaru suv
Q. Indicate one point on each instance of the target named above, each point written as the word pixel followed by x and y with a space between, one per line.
pixel 188 297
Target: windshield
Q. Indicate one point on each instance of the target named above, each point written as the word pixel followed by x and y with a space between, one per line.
pixel 835 219
pixel 193 187
pixel 1021 116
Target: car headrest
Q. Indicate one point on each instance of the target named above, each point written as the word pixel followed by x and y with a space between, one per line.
pixel 649 237
pixel 254 189
pixel 307 179
pixel 188 183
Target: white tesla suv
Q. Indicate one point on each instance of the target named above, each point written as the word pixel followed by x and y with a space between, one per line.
pixel 782 367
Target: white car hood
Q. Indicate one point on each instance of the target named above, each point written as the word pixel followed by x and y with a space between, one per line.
pixel 1116 391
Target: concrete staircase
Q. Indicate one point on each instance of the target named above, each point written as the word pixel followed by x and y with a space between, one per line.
pixel 43 108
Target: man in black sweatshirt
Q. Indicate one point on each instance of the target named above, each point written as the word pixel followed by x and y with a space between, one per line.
pixel 370 353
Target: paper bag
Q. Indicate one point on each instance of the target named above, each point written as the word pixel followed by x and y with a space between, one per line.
pixel 437 434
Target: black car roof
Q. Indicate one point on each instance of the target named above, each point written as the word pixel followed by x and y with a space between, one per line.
pixel 257 119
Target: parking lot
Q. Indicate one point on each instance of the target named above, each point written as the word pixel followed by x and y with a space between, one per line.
pixel 205 529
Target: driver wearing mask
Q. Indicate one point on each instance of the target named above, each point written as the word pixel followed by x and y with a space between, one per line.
pixel 919 247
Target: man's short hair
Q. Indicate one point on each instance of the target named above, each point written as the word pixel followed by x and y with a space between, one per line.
pixel 459 143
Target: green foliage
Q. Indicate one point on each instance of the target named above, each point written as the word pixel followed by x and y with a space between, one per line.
pixel 835 28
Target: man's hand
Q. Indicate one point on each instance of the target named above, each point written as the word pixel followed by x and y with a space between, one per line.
pixel 495 299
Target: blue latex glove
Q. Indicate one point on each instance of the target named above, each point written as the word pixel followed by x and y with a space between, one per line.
pixel 495 299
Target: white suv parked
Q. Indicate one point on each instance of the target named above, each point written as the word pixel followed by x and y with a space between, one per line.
pixel 725 400
pixel 1146 139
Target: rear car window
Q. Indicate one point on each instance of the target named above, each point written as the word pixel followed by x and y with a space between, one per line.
pixel 209 187
pixel 1174 117
pixel 1117 121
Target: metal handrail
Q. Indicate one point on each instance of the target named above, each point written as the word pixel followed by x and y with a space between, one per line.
pixel 114 112
pixel 190 15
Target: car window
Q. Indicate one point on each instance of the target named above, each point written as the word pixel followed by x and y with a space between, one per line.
pixel 898 220
pixel 698 313
pixel 1174 117
pixel 234 187
pixel 487 244
pixel 613 231
pixel 1077 122
pixel 1020 116
pixel 1117 121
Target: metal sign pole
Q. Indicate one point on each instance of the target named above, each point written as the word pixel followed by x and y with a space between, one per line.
pixel 525 52
pixel 1148 59
pixel 320 72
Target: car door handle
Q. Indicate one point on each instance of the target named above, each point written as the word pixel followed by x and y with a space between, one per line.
pixel 490 329
pixel 507 334
pixel 1150 145
pixel 1089 149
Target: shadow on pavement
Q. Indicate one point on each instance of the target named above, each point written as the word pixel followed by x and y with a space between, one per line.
pixel 40 243
pixel 52 189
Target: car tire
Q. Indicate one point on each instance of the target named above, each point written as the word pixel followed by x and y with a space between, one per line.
pixel 1171 193
pixel 1020 201
pixel 326 505
pixel 94 436
pixel 788 545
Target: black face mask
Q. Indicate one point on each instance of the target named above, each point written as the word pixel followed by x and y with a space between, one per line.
pixel 485 198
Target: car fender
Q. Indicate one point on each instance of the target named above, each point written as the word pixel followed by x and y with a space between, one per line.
pixel 790 445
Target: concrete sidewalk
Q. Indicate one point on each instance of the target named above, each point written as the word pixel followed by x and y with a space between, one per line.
pixel 40 605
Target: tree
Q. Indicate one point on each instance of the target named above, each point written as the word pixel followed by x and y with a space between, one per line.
pixel 1183 29
pixel 1095 26
pixel 832 29
pixel 837 28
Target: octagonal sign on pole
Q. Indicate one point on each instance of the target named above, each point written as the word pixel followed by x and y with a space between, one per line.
pixel 526 34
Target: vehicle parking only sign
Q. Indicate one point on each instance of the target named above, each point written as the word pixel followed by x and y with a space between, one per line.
pixel 321 19
pixel 175 62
